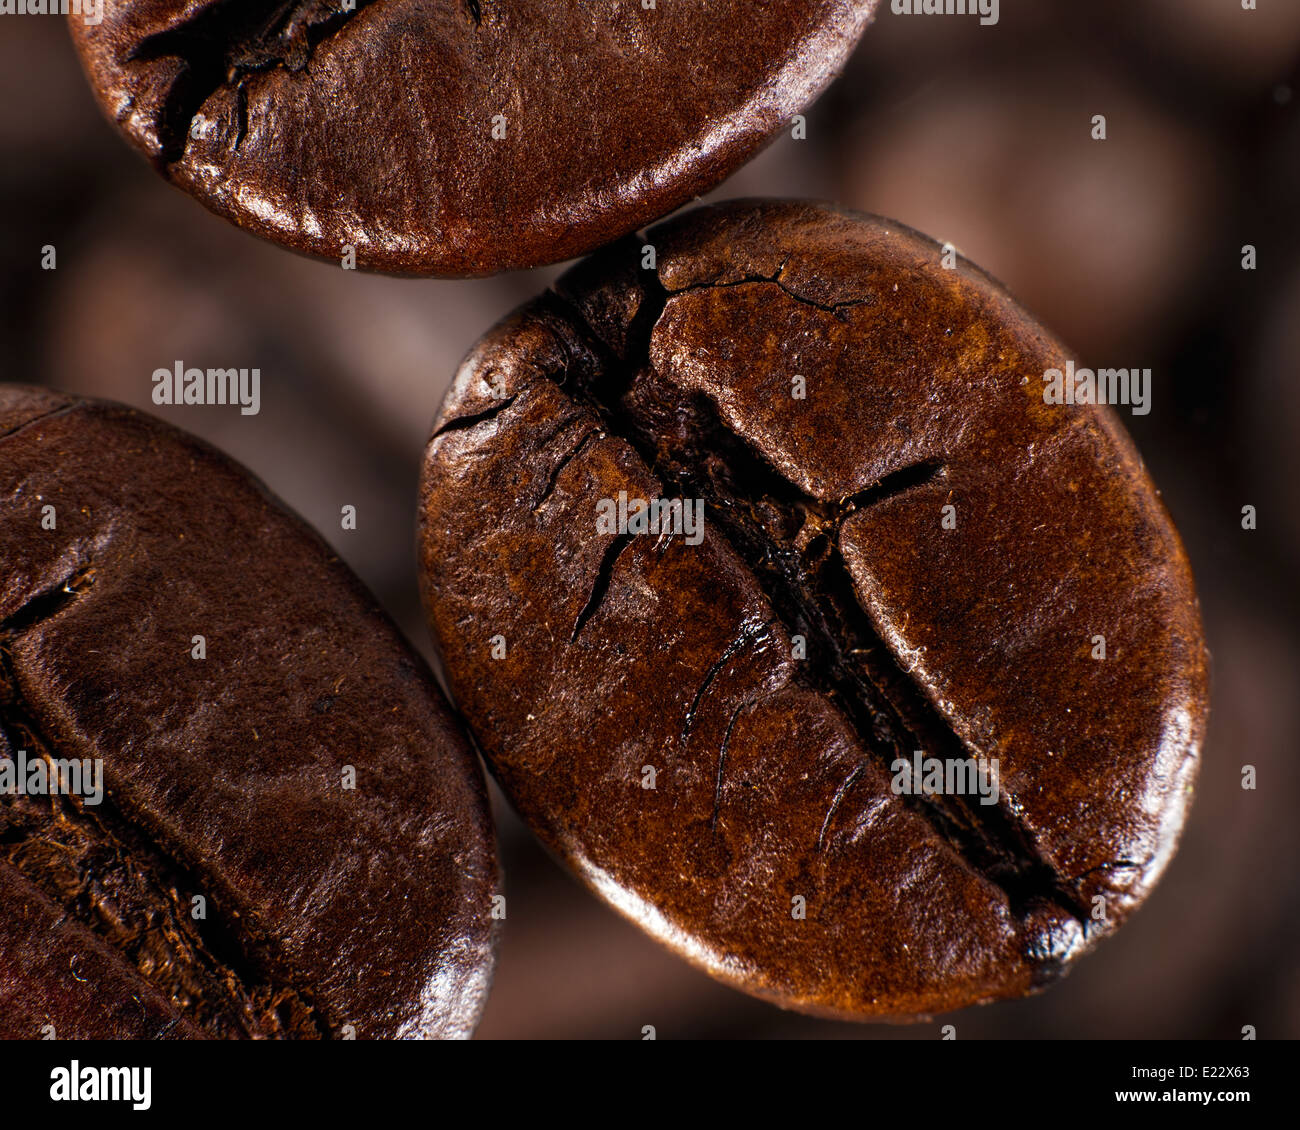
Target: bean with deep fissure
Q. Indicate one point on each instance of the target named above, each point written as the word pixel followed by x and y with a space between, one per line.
pixel 907 547
pixel 275 830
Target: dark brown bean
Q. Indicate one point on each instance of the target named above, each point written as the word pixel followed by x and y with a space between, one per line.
pixel 918 554
pixel 458 137
pixel 290 837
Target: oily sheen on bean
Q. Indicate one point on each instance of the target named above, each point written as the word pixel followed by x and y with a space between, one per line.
pixel 457 137
pixel 289 835
pixel 909 556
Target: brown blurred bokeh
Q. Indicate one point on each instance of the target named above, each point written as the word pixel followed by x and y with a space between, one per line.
pixel 1130 249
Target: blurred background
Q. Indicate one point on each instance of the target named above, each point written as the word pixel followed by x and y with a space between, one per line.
pixel 1129 249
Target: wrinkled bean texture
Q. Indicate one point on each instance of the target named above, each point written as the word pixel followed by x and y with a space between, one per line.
pixel 829 623
pixel 457 137
pixel 225 764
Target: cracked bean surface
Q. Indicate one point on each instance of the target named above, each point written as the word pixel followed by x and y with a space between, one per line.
pixel 767 681
pixel 292 835
pixel 446 137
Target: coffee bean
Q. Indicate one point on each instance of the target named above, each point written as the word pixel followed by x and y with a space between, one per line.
pixel 911 564
pixel 274 828
pixel 448 137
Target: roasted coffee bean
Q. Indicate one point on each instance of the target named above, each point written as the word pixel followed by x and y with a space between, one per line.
pixel 458 137
pixel 266 822
pixel 912 716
